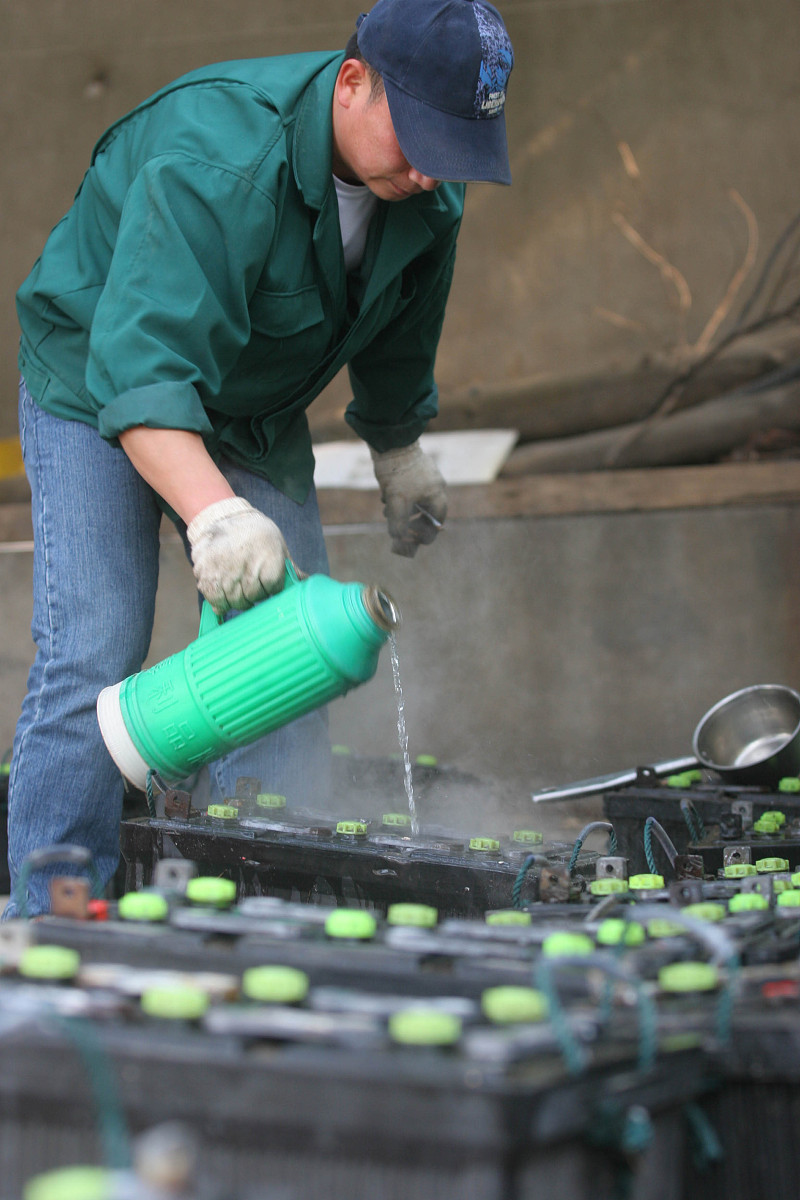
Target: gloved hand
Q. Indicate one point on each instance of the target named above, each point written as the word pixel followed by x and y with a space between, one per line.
pixel 238 554
pixel 414 496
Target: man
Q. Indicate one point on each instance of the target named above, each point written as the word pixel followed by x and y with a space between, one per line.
pixel 238 238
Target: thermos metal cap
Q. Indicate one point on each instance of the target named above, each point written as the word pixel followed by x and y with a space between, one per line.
pixel 119 743
pixel 381 608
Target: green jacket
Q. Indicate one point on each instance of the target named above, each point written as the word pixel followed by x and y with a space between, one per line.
pixel 198 282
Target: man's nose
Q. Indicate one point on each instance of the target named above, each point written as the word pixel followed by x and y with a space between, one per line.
pixel 424 181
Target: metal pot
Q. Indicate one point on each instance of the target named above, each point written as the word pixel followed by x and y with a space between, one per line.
pixel 752 737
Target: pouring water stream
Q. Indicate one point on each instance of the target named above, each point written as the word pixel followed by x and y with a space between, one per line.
pixel 402 735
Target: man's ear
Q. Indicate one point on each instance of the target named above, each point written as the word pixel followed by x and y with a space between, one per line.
pixel 351 78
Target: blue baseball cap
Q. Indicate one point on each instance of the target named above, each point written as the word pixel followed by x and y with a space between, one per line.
pixel 445 66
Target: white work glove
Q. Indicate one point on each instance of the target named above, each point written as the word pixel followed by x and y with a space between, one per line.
pixel 238 554
pixel 414 496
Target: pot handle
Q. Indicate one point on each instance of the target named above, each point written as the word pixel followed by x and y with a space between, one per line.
pixel 603 783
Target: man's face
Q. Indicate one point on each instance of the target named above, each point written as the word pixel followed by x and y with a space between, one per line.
pixel 366 149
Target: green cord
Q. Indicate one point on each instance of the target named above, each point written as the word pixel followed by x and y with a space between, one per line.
pixel 516 891
pixel 584 833
pixel 694 822
pixel 113 1128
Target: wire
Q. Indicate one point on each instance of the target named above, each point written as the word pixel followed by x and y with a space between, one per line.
pixel 584 833
pixel 651 826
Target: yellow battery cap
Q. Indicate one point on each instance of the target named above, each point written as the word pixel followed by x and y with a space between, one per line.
pixel 396 820
pixel 426 760
pixel 688 977
pixel 513 1005
pixel 483 843
pixel 424 1027
pixel 774 815
pixel 739 870
pixel 616 931
pixel 270 800
pixel 183 1003
pixel 610 886
pixel 788 899
pixel 659 927
pixel 223 812
pixel 527 837
pixel 766 825
pixel 567 943
pixel 747 902
pixel 211 890
pixel 350 923
pixel 705 910
pixel 645 883
pixel 352 828
pixel 275 984
pixel 765 865
pixel 143 906
pixel 71 1183
pixel 790 783
pixel 508 916
pixel 423 916
pixel 49 962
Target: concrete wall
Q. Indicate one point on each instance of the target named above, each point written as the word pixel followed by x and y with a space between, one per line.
pixel 647 110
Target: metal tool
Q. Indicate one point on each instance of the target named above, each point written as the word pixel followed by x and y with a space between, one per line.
pixel 603 783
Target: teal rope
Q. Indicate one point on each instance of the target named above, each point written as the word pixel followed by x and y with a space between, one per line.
pixel 651 825
pixel 148 791
pixel 706 1146
pixel 694 821
pixel 113 1129
pixel 516 891
pixel 584 833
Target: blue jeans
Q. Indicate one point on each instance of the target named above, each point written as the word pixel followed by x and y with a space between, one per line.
pixel 95 573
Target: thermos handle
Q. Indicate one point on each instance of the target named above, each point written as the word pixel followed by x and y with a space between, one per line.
pixel 209 619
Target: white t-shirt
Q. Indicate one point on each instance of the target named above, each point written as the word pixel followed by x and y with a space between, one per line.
pixel 356 206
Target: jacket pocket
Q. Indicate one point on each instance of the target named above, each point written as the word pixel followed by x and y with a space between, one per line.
pixel 281 314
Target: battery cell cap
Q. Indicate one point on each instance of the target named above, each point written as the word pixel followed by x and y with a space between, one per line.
pixel 396 820
pixel 567 943
pixel 275 984
pixel 350 923
pixel 513 1005
pixel 424 1027
pixel 421 916
pixel 211 890
pixel 223 812
pixel 660 927
pixel 788 899
pixel 49 962
pixel 684 779
pixel 774 815
pixel 747 902
pixel 616 931
pixel 426 760
pixel 739 870
pixel 508 916
pixel 527 837
pixel 352 828
pixel 143 906
pixel 645 883
pixel 790 783
pixel 71 1183
pixel 270 800
pixel 183 1003
pixel 765 865
pixel 705 910
pixel 609 886
pixel 766 825
pixel 483 843
pixel 688 977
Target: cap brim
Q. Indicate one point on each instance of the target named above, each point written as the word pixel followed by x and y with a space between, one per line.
pixel 447 147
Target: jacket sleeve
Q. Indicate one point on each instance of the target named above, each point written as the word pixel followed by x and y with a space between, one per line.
pixel 394 392
pixel 173 314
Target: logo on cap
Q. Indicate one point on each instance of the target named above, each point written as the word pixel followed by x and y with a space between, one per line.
pixel 497 59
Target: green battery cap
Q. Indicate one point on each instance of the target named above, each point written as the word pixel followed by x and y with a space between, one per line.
pixel 175 1003
pixel 350 923
pixel 739 870
pixel 270 800
pixel 774 815
pixel 512 1005
pixel 766 825
pixel 143 906
pixel 609 886
pixel 747 902
pixel 426 760
pixel 396 820
pixel 527 837
pixel 71 1183
pixel 684 779
pixel 49 962
pixel 424 1027
pixel 566 943
pixel 616 931
pixel 211 890
pixel 705 910
pixel 352 828
pixel 483 843
pixel 5 768
pixel 688 977
pixel 789 784
pixel 275 984
pixel 796 879
pixel 508 916
pixel 645 883
pixel 765 865
pixel 422 916
pixel 788 899
pixel 781 884
pixel 660 927
pixel 341 751
pixel 223 812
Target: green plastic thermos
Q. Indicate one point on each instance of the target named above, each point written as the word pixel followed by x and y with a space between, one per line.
pixel 244 677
